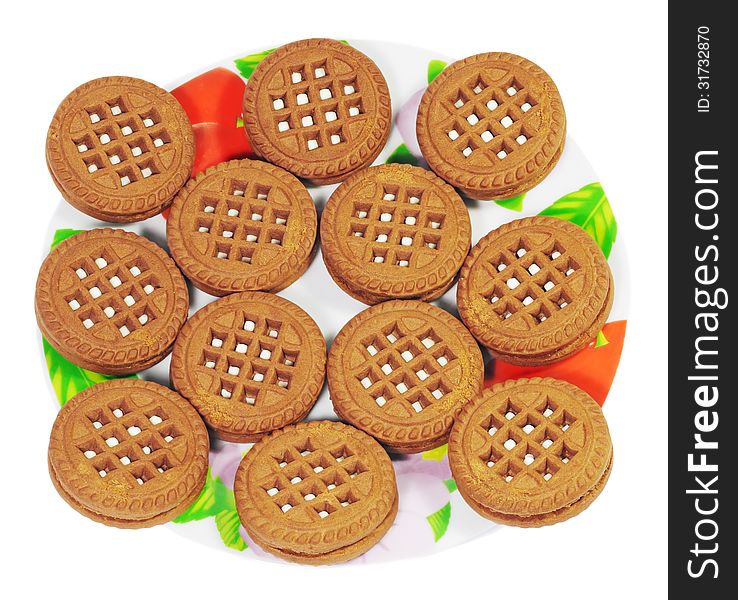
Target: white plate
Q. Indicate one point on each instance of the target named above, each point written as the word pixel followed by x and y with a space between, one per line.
pixel 431 516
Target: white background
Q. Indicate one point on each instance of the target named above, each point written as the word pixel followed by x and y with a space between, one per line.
pixel 610 65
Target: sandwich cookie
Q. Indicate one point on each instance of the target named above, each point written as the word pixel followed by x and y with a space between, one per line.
pixel 316 493
pixel 128 453
pixel 110 301
pixel 492 125
pixel 317 108
pixel 249 363
pixel 535 290
pixel 401 371
pixel 242 225
pixel 120 148
pixel 394 231
pixel 530 452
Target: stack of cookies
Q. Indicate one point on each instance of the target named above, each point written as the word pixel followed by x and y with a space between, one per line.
pixel 405 376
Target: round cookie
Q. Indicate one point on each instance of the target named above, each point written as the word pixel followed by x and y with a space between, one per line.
pixel 535 290
pixel 394 231
pixel 119 148
pixel 492 125
pixel 530 452
pixel 401 371
pixel 249 363
pixel 110 301
pixel 317 493
pixel 317 108
pixel 128 453
pixel 242 225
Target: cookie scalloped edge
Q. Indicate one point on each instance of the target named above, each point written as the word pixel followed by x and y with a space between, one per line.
pixel 328 171
pixel 260 424
pixel 395 436
pixel 97 204
pixel 325 539
pixel 599 453
pixel 81 351
pixel 413 287
pixel 591 310
pixel 496 185
pixel 114 506
pixel 274 278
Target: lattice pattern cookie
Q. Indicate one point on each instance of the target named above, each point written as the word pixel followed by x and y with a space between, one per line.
pixel 530 452
pixel 128 453
pixel 318 108
pixel 401 371
pixel 250 363
pixel 394 231
pixel 318 492
pixel 120 148
pixel 242 225
pixel 535 290
pixel 492 125
pixel 110 301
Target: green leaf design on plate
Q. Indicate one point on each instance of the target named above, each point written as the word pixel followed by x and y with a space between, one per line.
pixel 450 485
pixel 436 454
pixel 62 234
pixel 402 155
pixel 601 340
pixel 434 68
pixel 68 379
pixel 515 203
pixel 589 208
pixel 217 500
pixel 247 64
pixel 228 525
pixel 214 498
pixel 439 521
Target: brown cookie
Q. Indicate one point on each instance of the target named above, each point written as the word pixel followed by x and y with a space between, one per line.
pixel 317 493
pixel 318 108
pixel 128 453
pixel 535 290
pixel 493 125
pixel 530 452
pixel 110 301
pixel 250 363
pixel 120 148
pixel 242 225
pixel 401 371
pixel 394 231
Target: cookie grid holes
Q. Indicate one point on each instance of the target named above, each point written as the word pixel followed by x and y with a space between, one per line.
pixel 530 282
pixel 533 439
pixel 120 144
pixel 405 368
pixel 249 359
pixel 132 443
pixel 314 105
pixel 111 296
pixel 396 226
pixel 241 223
pixel 488 122
pixel 309 482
